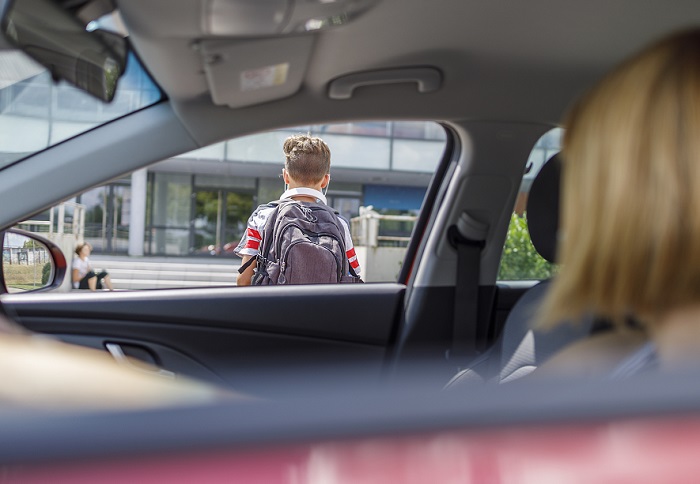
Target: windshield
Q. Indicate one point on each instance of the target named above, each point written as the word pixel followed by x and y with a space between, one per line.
pixel 36 113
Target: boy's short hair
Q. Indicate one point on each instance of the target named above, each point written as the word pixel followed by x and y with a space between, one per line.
pixel 307 159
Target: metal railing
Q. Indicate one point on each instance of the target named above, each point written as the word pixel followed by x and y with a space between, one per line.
pixel 25 255
pixel 59 223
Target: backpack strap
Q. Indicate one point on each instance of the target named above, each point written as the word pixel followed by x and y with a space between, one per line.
pixel 243 268
pixel 269 230
pixel 268 239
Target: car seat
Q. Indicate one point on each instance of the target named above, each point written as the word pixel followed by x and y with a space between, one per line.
pixel 521 348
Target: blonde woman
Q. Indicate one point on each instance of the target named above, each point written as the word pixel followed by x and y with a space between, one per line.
pixel 630 240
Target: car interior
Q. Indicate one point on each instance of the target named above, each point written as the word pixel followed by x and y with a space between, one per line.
pixel 494 98
pixel 496 76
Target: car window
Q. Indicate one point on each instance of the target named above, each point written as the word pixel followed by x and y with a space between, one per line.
pixel 177 223
pixel 520 260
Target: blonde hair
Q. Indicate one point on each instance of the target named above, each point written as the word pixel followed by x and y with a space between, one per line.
pixel 307 159
pixel 630 244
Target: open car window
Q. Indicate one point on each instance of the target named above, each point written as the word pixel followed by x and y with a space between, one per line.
pixel 177 223
pixel 520 260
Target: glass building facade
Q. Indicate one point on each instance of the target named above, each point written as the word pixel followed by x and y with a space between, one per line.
pixel 198 203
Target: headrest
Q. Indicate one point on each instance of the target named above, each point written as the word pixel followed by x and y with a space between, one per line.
pixel 543 208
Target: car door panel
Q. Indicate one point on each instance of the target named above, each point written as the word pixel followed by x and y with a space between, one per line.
pixel 429 326
pixel 217 333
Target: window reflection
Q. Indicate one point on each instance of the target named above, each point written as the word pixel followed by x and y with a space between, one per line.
pixel 36 113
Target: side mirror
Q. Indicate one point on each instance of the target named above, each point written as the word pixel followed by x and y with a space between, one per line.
pixel 30 262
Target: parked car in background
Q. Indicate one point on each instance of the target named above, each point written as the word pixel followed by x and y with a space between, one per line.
pixel 160 137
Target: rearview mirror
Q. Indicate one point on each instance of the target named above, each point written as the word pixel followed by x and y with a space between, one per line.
pixel 30 262
pixel 92 61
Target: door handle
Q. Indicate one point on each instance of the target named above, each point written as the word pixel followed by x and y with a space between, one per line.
pixel 118 354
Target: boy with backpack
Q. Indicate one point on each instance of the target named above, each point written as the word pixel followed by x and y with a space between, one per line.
pixel 299 239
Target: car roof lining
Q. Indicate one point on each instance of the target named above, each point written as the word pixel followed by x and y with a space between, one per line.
pixel 502 61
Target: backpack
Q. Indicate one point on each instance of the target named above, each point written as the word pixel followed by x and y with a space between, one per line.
pixel 302 243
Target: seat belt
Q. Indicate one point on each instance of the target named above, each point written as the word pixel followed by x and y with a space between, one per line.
pixel 468 236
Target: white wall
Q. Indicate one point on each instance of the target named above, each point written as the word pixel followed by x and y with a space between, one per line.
pixel 380 264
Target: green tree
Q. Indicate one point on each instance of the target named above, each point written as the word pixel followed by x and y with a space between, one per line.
pixel 520 260
pixel 45 274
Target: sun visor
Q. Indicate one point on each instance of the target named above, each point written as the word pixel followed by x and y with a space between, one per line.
pixel 246 72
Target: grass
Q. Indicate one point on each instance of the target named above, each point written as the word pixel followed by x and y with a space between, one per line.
pixel 17 275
